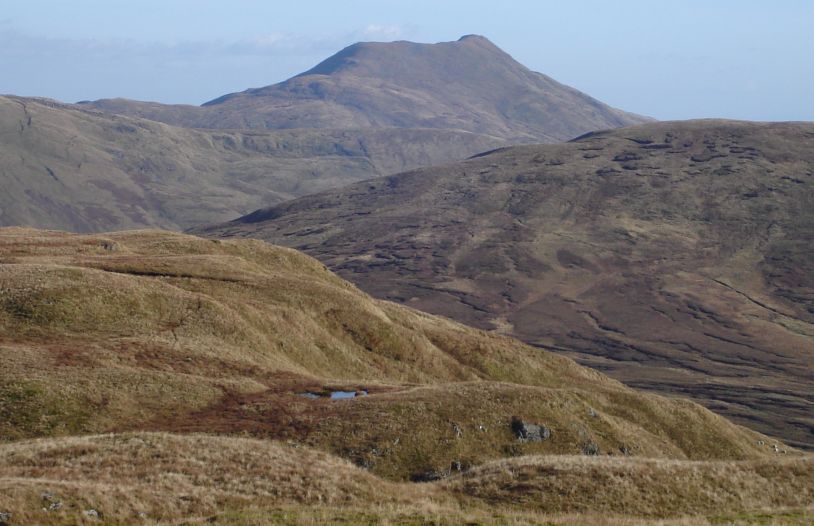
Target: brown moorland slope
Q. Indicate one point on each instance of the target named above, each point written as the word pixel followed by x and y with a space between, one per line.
pixel 69 168
pixel 157 478
pixel 469 84
pixel 677 257
pixel 166 332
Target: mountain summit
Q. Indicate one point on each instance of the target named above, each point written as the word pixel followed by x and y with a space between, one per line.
pixel 469 84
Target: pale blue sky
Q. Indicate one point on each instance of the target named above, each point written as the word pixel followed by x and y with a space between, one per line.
pixel 744 59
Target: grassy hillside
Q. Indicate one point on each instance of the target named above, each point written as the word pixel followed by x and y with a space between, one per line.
pixel 193 358
pixel 673 256
pixel 152 330
pixel 73 169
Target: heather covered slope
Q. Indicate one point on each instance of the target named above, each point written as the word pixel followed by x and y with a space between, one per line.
pixel 67 168
pixel 674 256
pixel 166 332
pixel 469 85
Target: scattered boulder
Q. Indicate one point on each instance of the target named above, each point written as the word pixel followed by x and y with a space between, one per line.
pixel 527 432
pixel 456 465
pixel 92 514
pixel 459 433
pixel 590 448
pixel 54 504
pixel 430 475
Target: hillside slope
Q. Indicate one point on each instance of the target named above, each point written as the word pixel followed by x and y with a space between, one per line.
pixel 149 330
pixel 675 256
pixel 73 169
pixel 469 84
pixel 159 478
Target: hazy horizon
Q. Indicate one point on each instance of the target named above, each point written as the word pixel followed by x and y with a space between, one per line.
pixel 741 60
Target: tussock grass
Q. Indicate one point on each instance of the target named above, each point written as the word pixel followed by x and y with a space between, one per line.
pixel 640 487
pixel 158 478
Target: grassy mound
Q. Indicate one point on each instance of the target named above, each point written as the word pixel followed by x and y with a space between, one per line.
pixel 167 332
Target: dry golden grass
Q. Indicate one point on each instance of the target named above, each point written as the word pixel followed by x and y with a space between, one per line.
pixel 169 477
pixel 640 487
pixel 157 478
pixel 166 332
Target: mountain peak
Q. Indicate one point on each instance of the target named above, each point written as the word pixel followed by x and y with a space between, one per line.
pixel 401 55
pixel 476 38
pixel 468 84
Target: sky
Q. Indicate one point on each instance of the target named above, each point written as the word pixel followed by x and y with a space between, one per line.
pixel 740 59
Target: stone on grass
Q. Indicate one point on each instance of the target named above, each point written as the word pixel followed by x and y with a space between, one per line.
pixel 528 432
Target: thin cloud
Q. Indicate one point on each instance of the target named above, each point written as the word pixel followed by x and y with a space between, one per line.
pixel 189 71
pixel 382 31
pixel 14 43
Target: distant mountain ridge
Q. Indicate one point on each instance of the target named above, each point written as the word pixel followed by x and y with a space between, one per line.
pixel 372 109
pixel 469 84
pixel 71 168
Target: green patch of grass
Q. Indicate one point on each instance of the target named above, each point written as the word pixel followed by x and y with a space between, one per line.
pixel 27 410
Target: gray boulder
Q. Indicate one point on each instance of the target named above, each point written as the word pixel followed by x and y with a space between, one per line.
pixel 527 432
pixel 590 448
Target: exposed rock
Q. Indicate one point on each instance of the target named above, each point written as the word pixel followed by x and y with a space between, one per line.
pixel 590 448
pixel 527 432
pixel 92 514
pixel 457 430
pixel 5 517
pixel 430 475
